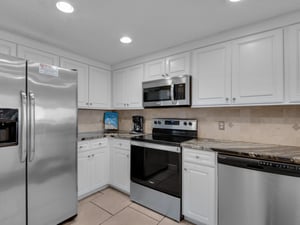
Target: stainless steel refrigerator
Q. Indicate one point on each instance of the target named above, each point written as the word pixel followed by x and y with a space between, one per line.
pixel 38 143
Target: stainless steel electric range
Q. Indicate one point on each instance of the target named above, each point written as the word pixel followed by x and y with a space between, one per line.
pixel 156 165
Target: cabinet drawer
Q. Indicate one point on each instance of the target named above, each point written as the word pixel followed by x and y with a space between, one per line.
pixel 98 143
pixel 83 146
pixel 199 157
pixel 118 143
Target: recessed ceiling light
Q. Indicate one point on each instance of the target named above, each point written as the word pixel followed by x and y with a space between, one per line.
pixel 65 7
pixel 126 40
pixel 234 0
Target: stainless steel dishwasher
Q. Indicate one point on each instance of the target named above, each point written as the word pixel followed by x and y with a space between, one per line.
pixel 257 192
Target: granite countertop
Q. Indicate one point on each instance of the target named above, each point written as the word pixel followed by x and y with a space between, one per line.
pixel 100 134
pixel 280 153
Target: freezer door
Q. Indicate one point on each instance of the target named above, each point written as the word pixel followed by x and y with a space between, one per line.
pixel 52 154
pixel 12 170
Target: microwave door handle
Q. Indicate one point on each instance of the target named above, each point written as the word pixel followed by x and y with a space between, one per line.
pixel 23 144
pixel 172 94
pixel 32 126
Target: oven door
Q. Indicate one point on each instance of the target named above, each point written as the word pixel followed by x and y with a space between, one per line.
pixel 157 167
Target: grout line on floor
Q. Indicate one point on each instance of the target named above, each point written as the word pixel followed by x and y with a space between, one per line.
pixel 146 214
pixel 113 215
pixel 101 208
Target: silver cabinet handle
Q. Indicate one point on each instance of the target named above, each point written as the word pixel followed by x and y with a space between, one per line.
pixel 31 126
pixel 23 126
pixel 227 99
pixel 87 103
pixel 233 99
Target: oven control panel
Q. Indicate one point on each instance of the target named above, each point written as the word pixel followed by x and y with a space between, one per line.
pixel 176 124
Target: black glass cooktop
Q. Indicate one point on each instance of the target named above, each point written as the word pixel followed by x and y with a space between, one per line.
pixel 162 139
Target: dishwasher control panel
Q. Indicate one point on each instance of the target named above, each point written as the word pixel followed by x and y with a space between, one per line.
pixel 260 165
pixel 279 165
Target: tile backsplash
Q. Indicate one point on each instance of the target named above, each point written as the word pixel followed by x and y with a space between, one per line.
pixel 90 120
pixel 267 124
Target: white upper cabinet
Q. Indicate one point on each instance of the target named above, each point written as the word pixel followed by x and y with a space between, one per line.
pixel 175 65
pixel 99 88
pixel 83 80
pixel 257 68
pixel 212 75
pixel 133 86
pixel 37 55
pixel 119 99
pixel 127 88
pixel 178 65
pixel 292 63
pixel 154 70
pixel 8 48
pixel 244 72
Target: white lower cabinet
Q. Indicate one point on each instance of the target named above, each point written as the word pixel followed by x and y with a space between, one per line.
pixel 199 186
pixel 120 164
pixel 93 166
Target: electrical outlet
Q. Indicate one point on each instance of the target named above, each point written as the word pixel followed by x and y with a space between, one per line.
pixel 221 125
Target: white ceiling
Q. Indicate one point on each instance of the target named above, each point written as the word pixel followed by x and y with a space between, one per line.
pixel 94 29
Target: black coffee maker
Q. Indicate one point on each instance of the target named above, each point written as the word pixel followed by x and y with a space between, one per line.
pixel 138 124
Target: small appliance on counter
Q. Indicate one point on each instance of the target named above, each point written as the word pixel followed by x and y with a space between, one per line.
pixel 138 124
pixel 111 121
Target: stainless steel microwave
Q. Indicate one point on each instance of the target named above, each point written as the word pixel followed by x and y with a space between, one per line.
pixel 173 91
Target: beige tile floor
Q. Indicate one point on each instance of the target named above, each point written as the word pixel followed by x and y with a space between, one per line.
pixel 111 207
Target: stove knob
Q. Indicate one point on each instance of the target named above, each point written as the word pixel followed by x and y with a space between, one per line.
pixel 159 122
pixel 190 123
pixel 155 122
pixel 185 123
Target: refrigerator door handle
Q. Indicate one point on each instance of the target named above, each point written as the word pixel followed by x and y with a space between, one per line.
pixel 23 144
pixel 31 126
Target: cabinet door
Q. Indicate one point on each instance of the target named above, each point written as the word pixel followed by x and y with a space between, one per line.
pixel 8 48
pixel 99 168
pixel 133 87
pixel 83 80
pixel 293 63
pixel 257 68
pixel 119 82
pixel 155 70
pixel 121 169
pixel 84 177
pixel 99 88
pixel 199 193
pixel 212 75
pixel 178 65
pixel 37 55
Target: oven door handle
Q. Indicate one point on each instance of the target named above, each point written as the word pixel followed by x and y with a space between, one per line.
pixel 168 148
